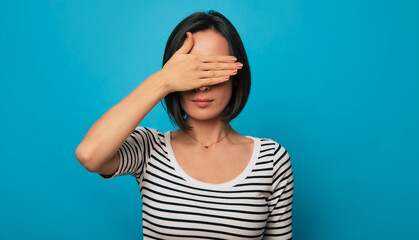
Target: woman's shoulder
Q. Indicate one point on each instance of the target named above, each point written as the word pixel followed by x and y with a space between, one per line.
pixel 269 143
pixel 149 129
pixel 276 151
pixel 149 132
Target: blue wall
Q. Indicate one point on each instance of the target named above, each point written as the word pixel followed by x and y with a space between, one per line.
pixel 335 82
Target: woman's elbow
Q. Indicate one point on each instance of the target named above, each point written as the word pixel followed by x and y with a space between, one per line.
pixel 85 159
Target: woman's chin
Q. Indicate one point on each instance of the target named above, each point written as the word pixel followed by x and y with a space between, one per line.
pixel 203 116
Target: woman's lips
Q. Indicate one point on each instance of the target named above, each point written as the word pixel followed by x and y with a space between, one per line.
pixel 202 103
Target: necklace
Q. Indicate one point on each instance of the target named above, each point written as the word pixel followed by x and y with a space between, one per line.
pixel 207 146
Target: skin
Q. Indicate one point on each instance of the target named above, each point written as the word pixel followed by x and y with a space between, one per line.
pixel 226 159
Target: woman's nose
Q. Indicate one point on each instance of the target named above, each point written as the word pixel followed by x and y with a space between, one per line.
pixel 203 89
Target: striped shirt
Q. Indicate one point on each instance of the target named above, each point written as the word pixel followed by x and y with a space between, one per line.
pixel 257 204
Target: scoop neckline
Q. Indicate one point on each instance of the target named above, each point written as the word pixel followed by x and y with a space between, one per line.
pixel 198 183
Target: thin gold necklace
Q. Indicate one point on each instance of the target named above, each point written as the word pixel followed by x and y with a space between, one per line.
pixel 207 146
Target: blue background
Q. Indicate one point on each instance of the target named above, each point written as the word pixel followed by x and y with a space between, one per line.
pixel 335 83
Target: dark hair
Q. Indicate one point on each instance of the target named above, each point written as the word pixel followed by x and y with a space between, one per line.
pixel 201 21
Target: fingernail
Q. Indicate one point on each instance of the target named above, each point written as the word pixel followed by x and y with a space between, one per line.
pixel 233 59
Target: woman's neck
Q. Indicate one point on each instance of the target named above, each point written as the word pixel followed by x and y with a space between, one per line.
pixel 208 132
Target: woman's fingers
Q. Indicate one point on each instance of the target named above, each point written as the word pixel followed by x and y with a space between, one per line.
pixel 214 80
pixel 220 66
pixel 187 45
pixel 213 70
pixel 216 73
pixel 215 58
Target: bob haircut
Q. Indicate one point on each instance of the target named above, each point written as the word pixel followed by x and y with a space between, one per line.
pixel 201 21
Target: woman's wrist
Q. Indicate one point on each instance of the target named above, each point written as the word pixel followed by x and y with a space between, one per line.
pixel 161 80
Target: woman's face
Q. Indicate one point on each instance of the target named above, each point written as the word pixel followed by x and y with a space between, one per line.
pixel 208 42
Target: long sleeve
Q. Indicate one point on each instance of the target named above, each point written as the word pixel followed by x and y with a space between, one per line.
pixel 279 224
pixel 134 153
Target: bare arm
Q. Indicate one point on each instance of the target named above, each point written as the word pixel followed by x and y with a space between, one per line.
pixel 103 139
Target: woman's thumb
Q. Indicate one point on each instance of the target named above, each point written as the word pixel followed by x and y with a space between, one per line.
pixel 187 44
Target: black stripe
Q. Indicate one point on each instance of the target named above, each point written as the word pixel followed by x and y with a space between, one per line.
pixel 199 229
pixel 163 155
pixel 194 200
pixel 280 214
pixel 279 175
pixel 164 171
pixel 162 163
pixel 205 222
pixel 279 234
pixel 200 189
pixel 265 162
pixel 287 185
pixel 261 151
pixel 280 220
pixel 259 176
pixel 184 236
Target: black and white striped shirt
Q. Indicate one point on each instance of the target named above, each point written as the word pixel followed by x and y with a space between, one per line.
pixel 257 204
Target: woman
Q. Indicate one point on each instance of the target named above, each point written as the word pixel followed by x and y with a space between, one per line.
pixel 204 180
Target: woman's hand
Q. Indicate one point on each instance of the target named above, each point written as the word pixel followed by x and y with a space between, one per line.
pixel 184 71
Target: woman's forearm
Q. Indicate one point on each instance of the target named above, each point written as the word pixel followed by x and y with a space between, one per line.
pixel 108 133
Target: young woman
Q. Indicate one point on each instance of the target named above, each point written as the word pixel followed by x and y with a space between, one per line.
pixel 204 180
